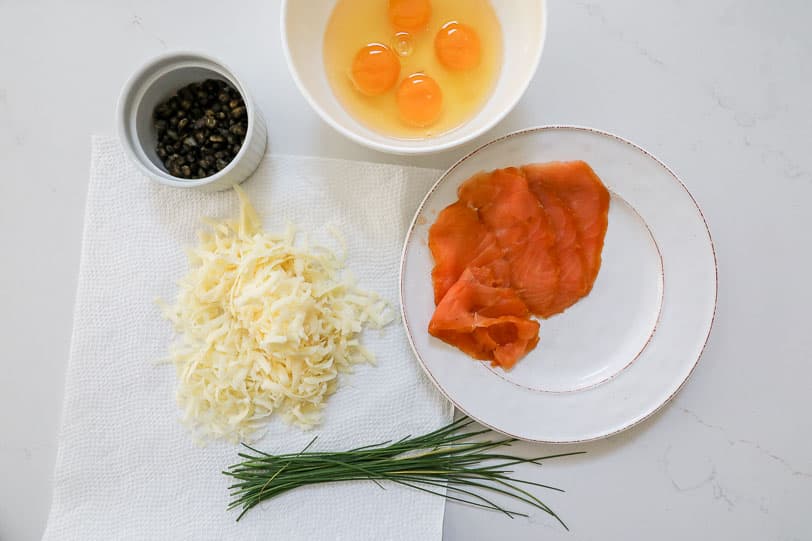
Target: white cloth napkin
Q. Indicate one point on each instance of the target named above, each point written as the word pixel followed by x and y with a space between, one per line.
pixel 126 468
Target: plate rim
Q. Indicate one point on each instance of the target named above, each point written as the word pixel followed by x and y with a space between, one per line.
pixel 527 131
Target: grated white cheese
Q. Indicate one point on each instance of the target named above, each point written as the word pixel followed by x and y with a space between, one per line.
pixel 264 326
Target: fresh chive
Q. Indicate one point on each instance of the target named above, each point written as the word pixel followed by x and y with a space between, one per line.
pixel 447 458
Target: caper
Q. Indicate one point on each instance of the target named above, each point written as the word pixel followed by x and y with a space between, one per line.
pixel 200 129
pixel 162 111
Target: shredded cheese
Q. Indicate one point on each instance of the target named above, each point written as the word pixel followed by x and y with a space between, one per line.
pixel 264 326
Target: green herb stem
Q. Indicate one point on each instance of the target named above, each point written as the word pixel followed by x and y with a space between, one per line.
pixel 447 462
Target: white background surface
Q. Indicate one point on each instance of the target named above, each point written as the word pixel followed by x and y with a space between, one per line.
pixel 720 90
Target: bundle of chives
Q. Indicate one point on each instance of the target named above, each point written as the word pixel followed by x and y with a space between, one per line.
pixel 447 462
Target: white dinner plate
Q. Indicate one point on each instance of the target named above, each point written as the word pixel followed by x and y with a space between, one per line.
pixel 620 353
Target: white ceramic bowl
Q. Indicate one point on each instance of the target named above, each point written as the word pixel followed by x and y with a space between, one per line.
pixel 158 80
pixel 524 24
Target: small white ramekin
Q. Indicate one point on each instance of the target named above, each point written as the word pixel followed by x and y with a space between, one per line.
pixel 158 80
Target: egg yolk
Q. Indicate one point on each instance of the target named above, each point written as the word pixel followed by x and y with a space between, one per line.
pixel 409 15
pixel 419 100
pixel 375 69
pixel 457 46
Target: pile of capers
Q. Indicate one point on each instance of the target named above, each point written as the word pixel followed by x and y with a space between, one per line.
pixel 200 129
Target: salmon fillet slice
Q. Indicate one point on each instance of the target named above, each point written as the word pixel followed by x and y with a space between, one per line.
pixel 484 319
pixel 454 241
pixel 509 210
pixel 519 241
pixel 573 281
pixel 587 198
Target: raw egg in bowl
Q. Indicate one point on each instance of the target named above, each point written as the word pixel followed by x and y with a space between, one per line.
pixel 413 76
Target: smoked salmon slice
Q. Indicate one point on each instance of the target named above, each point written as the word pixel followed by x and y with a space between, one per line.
pixel 587 198
pixel 518 242
pixel 454 240
pixel 484 319
pixel 508 208
pixel 572 273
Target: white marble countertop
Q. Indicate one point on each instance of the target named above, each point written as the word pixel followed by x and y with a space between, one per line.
pixel 721 90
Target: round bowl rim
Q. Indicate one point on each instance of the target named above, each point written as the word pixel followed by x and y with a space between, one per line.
pixel 395 146
pixel 124 109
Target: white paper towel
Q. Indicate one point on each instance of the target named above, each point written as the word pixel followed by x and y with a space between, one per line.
pixel 126 468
